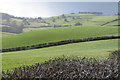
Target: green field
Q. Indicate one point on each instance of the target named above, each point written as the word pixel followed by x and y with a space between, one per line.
pixel 5 34
pixel 56 34
pixel 86 20
pixel 34 34
pixel 33 29
pixel 33 24
pixel 97 49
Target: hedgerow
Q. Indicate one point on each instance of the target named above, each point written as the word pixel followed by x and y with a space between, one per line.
pixel 64 68
pixel 58 43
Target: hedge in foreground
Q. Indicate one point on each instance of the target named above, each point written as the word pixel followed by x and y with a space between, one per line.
pixel 68 69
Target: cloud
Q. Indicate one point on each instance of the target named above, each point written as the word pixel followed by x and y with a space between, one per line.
pixel 34 8
pixel 24 8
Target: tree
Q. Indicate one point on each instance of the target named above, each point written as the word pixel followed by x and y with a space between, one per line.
pixel 72 13
pixel 58 17
pixel 39 17
pixel 77 24
pixel 65 20
pixel 73 18
pixel 63 16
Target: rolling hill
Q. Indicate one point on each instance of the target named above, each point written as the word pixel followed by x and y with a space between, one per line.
pixel 57 28
pixel 84 19
pixel 56 34
pixel 96 49
pixel 12 24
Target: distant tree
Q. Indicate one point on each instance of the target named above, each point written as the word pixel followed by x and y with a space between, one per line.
pixel 73 18
pixel 77 24
pixel 39 17
pixel 118 14
pixel 65 20
pixel 72 13
pixel 58 17
pixel 63 16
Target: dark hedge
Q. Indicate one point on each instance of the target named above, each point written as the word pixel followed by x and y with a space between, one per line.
pixel 58 43
pixel 69 69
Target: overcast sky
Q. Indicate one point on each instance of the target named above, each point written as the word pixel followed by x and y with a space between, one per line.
pixel 43 8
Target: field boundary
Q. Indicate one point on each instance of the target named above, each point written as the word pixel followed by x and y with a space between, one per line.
pixel 58 43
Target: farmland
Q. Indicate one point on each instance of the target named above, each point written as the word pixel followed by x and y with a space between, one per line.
pixel 54 29
pixel 56 34
pixel 86 20
pixel 97 49
pixel 19 24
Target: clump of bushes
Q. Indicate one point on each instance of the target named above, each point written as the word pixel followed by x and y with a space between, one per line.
pixel 68 69
pixel 115 54
pixel 77 24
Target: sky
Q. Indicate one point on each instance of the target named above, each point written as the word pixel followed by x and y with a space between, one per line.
pixel 48 8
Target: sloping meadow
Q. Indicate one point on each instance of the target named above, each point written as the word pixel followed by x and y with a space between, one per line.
pixel 56 34
pixel 70 69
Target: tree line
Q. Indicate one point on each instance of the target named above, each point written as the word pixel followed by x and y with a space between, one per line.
pixel 98 13
pixel 58 43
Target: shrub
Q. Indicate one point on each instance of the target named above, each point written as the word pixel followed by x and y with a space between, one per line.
pixel 115 54
pixel 77 24
pixel 68 69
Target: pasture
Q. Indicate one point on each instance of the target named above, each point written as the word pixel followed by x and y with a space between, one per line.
pixel 57 34
pixel 34 34
pixel 86 20
pixel 96 49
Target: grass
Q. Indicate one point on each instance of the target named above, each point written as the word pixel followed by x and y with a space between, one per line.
pixel 113 23
pixel 90 28
pixel 56 34
pixel 5 34
pixel 32 29
pixel 86 20
pixel 97 49
pixel 36 24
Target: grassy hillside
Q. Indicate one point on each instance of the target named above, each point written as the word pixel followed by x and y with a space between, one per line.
pixel 37 31
pixel 5 34
pixel 56 34
pixel 72 19
pixel 97 49
pixel 14 24
pixel 86 20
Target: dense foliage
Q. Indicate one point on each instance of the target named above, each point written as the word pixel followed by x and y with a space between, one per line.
pixel 69 69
